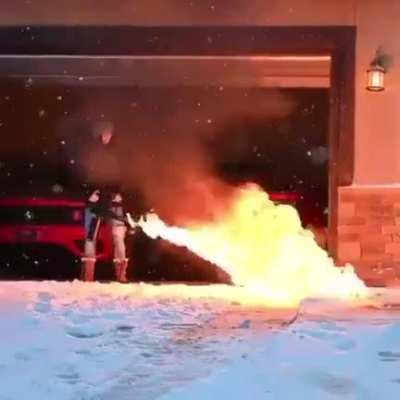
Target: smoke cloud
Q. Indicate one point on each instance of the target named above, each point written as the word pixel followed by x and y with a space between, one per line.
pixel 170 159
pixel 165 138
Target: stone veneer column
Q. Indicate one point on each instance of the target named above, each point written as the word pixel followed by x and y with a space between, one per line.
pixel 369 232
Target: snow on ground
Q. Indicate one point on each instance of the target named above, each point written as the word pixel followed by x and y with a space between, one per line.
pixel 110 341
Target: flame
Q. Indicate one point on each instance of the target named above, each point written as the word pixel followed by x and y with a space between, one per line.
pixel 264 249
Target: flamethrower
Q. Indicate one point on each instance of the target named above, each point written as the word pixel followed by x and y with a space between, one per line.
pixel 132 224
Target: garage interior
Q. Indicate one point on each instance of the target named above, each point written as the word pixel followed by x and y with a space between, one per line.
pixel 261 118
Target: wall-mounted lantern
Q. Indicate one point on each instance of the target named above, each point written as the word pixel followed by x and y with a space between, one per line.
pixel 376 74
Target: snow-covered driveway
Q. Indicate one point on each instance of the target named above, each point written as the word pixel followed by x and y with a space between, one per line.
pixel 110 341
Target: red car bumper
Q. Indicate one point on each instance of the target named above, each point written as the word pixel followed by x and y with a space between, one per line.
pixel 69 237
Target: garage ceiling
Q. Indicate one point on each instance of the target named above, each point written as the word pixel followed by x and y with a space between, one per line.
pixel 169 71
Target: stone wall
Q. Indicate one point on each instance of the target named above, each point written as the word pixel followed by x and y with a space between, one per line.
pixel 369 232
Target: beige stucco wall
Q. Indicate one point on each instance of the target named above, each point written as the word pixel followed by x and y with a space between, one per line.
pixel 377 115
pixel 181 12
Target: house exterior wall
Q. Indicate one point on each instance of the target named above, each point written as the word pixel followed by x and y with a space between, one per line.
pixel 178 12
pixel 369 210
pixel 369 231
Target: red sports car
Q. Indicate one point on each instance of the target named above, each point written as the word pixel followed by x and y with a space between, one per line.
pixel 36 222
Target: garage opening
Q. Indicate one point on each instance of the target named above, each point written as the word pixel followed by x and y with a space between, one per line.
pixel 124 72
pixel 261 119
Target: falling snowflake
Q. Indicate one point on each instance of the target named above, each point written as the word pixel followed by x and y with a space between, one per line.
pixel 57 188
pixel 320 155
pixel 29 82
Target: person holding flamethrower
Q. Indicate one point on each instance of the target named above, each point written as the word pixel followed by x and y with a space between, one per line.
pixel 96 166
pixel 106 206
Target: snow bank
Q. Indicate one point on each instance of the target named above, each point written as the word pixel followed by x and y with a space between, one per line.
pixel 110 341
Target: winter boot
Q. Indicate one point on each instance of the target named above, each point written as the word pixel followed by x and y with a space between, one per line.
pixel 120 267
pixel 87 269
